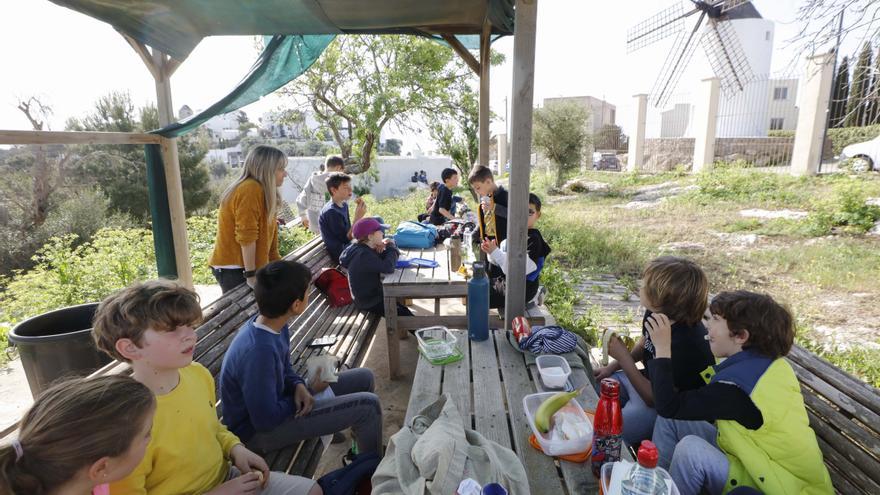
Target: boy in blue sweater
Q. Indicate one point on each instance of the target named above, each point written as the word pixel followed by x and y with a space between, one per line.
pixel 265 402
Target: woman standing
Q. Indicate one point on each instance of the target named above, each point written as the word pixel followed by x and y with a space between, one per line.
pixel 247 230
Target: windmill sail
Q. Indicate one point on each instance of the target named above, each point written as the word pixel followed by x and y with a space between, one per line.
pixel 655 28
pixel 726 57
pixel 676 63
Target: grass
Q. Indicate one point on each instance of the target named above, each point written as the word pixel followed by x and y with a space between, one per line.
pixel 815 265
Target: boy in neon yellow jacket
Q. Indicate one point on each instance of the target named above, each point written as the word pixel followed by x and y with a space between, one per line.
pixel 761 437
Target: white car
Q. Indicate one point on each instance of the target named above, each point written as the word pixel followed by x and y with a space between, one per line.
pixel 865 156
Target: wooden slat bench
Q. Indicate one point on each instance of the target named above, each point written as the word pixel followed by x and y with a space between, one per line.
pixel 223 317
pixel 845 414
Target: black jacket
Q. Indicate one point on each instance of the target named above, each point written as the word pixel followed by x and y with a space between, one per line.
pixel 365 267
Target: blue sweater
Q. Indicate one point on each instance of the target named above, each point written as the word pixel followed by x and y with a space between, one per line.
pixel 257 381
pixel 335 224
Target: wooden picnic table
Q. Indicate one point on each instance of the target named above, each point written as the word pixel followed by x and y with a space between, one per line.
pixel 431 283
pixel 488 385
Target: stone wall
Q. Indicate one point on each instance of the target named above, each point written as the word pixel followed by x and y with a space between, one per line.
pixel 664 154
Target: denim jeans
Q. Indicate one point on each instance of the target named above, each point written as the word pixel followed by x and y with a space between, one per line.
pixel 689 451
pixel 228 278
pixel 355 406
pixel 638 417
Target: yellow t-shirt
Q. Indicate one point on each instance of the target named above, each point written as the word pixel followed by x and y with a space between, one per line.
pixel 189 449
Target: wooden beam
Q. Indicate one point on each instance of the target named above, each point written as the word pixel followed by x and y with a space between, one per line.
pixel 144 53
pixel 520 155
pixel 76 137
pixel 485 112
pixel 173 182
pixel 462 52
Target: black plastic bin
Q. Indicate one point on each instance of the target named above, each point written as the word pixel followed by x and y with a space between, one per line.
pixel 57 344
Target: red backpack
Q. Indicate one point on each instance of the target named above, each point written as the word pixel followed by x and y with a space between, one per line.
pixel 334 284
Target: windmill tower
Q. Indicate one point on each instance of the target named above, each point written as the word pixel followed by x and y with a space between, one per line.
pixel 737 43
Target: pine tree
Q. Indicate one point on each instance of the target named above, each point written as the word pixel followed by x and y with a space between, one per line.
pixel 841 93
pixel 855 107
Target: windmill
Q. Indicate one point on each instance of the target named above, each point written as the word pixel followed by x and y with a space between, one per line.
pixel 719 39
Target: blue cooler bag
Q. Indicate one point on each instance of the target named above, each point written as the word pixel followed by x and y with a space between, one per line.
pixel 415 235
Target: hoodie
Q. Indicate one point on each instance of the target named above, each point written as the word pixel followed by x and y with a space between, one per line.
pixel 365 267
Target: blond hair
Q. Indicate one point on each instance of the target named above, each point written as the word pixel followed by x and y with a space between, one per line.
pixel 162 305
pixel 70 426
pixel 261 164
pixel 677 287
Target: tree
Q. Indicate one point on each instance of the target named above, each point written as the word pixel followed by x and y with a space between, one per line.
pixel 841 94
pixel 855 107
pixel 873 96
pixel 392 146
pixel 455 129
pixel 820 25
pixel 362 83
pixel 560 132
pixel 120 170
pixel 610 137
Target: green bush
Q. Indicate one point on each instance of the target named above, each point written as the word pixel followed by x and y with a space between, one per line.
pixel 734 182
pixel 843 137
pixel 848 210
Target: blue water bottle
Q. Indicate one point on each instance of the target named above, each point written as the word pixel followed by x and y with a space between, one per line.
pixel 478 304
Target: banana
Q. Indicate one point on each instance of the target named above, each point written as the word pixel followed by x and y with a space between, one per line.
pixel 549 407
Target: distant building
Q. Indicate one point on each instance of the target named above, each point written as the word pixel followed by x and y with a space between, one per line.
pixel 184 112
pixel 783 104
pixel 675 122
pixel 230 156
pixel 602 113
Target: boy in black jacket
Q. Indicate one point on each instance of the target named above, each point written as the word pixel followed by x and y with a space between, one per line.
pixel 366 261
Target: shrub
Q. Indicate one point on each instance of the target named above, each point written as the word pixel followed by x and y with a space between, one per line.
pixel 847 210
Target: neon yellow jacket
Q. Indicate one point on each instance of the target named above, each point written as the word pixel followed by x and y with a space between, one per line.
pixel 782 456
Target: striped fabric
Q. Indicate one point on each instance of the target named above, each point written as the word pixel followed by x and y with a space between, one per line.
pixel 551 339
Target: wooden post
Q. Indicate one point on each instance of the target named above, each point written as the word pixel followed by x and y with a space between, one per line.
pixel 706 123
pixel 520 155
pixel 485 114
pixel 165 67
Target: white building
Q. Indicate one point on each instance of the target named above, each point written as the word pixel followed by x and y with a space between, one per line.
pixel 783 104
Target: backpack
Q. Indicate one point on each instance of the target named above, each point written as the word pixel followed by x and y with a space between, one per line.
pixel 353 479
pixel 334 284
pixel 415 235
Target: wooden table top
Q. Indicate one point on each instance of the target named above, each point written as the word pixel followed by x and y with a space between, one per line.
pixel 442 275
pixel 488 386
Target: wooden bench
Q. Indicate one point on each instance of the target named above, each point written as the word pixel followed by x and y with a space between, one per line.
pixel 845 414
pixel 223 317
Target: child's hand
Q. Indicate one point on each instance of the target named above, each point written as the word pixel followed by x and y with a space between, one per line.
pixel 303 400
pixel 319 386
pixel 604 372
pixel 246 462
pixel 246 483
pixel 618 350
pixel 660 329
pixel 489 246
pixel 361 208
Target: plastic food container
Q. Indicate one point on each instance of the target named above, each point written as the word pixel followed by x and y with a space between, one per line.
pixel 552 447
pixel 438 345
pixel 613 473
pixel 554 370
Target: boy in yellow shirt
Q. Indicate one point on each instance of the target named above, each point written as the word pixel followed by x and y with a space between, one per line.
pixel 150 325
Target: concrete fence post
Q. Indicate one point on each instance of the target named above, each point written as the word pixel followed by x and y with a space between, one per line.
pixel 636 152
pixel 706 124
pixel 813 115
pixel 502 153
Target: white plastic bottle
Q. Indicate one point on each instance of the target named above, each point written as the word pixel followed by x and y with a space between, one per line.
pixel 645 478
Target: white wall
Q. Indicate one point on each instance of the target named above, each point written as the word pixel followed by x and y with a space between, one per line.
pixel 394 174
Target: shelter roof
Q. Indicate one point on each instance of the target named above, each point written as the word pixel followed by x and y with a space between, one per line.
pixel 175 27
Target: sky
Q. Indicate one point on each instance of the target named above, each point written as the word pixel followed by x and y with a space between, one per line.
pixel 70 60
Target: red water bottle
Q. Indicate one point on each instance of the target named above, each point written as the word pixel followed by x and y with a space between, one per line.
pixel 607 426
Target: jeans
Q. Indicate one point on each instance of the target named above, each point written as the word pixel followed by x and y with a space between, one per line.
pixel 228 278
pixel 638 417
pixel 355 406
pixel 689 451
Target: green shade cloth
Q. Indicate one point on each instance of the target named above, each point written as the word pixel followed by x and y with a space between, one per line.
pixel 283 59
pixel 175 27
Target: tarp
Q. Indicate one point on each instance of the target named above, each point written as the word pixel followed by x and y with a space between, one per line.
pixel 283 59
pixel 175 27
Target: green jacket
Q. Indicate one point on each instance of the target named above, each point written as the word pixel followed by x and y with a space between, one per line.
pixel 782 456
